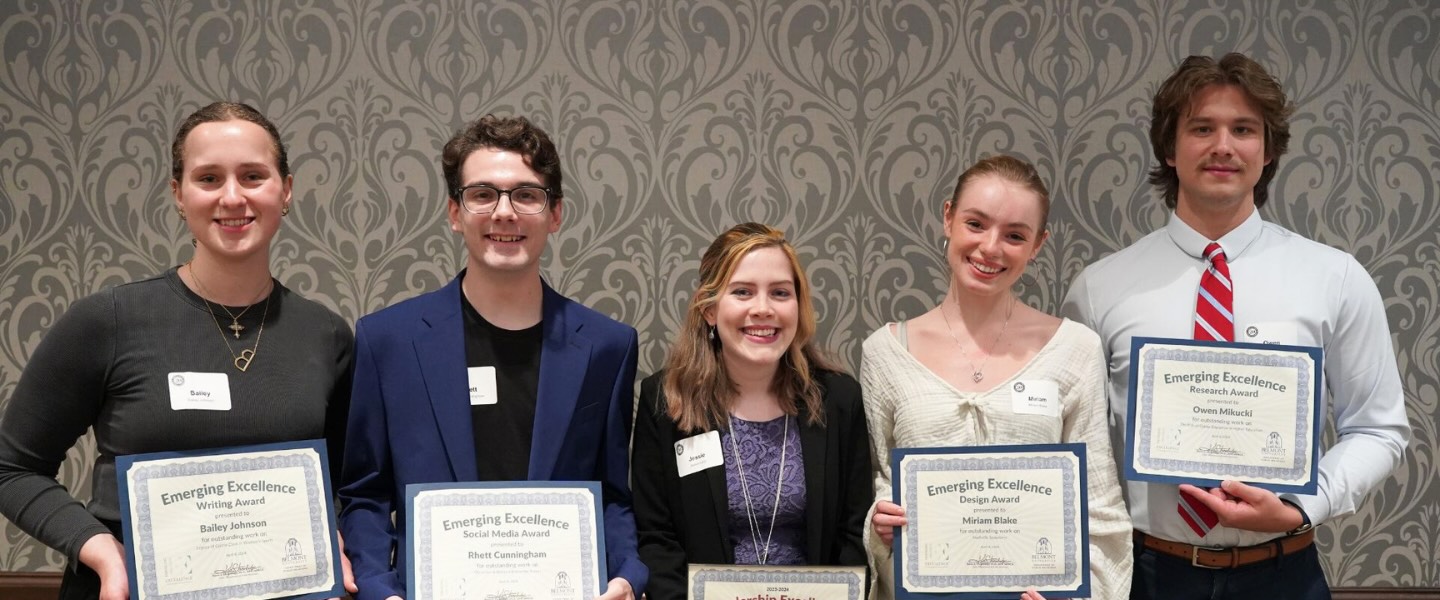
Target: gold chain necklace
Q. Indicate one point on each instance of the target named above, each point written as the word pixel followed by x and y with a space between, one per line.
pixel 235 325
pixel 241 360
pixel 977 372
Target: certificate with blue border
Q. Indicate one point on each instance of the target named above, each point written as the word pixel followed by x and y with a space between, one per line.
pixel 1202 412
pixel 505 539
pixel 987 522
pixel 747 582
pixel 246 522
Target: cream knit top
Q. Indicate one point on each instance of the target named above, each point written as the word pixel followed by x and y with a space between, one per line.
pixel 909 406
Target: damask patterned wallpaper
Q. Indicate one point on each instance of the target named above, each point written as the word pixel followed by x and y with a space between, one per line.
pixel 844 122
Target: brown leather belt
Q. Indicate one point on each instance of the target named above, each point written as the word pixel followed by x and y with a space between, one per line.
pixel 1226 558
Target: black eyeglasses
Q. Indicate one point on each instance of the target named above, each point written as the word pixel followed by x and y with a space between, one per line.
pixel 483 198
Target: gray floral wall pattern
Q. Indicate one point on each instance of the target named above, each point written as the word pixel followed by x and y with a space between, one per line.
pixel 845 123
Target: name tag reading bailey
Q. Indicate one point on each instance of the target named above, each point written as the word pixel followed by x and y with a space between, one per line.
pixel 991 521
pixel 241 523
pixel 199 391
pixel 1203 412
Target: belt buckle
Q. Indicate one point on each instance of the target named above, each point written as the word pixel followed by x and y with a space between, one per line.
pixel 1195 556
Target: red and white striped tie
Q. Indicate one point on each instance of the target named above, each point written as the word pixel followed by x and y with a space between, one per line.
pixel 1214 321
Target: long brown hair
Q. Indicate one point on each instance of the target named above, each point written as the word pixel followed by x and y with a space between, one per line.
pixel 698 390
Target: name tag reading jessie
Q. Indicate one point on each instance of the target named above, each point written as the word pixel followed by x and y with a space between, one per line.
pixel 240 523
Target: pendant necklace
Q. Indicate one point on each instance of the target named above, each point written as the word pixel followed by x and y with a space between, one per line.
pixel 761 552
pixel 246 355
pixel 977 372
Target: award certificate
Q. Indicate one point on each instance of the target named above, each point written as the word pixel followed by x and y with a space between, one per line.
pixel 749 582
pixel 991 521
pixel 249 522
pixel 1202 412
pixel 513 539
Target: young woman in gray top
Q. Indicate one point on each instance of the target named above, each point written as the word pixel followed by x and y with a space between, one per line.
pixel 105 363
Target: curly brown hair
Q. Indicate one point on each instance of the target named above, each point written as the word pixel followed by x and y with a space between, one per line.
pixel 516 134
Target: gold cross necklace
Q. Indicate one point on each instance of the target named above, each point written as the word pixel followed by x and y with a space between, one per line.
pixel 246 355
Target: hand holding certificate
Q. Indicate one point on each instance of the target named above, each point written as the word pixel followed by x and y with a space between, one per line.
pixel 1203 412
pixel 990 521
pixel 500 539
pixel 254 522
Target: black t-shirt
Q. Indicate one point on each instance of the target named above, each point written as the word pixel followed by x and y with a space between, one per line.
pixel 503 429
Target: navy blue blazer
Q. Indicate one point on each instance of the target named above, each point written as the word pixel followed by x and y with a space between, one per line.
pixel 410 423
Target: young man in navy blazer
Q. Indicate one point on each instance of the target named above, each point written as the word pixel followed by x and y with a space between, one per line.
pixel 413 416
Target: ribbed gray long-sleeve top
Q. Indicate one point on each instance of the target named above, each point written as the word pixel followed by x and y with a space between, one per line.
pixel 104 364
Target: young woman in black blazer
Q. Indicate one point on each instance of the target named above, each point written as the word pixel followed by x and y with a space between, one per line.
pixel 784 477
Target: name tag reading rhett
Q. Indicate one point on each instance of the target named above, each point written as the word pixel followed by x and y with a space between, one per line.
pixel 482 385
pixel 199 391
pixel 1035 397
pixel 699 452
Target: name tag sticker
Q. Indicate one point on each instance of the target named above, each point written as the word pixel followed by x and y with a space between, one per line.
pixel 1275 332
pixel 699 452
pixel 199 391
pixel 1035 397
pixel 482 386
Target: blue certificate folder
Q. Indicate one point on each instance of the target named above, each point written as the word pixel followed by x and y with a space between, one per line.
pixel 418 569
pixel 136 520
pixel 1306 427
pixel 1016 458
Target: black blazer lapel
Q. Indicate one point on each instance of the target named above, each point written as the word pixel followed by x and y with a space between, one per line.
pixel 814 442
pixel 720 502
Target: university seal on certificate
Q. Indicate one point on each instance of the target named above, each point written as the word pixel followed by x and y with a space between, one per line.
pixel 747 582
pixel 990 521
pixel 1203 412
pixel 251 522
pixel 515 539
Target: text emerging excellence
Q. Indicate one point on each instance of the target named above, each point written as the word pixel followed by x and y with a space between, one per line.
pixel 201 492
pixel 1223 377
pixel 508 519
pixel 978 485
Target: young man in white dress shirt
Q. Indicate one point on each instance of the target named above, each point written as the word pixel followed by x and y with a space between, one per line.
pixel 1218 130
